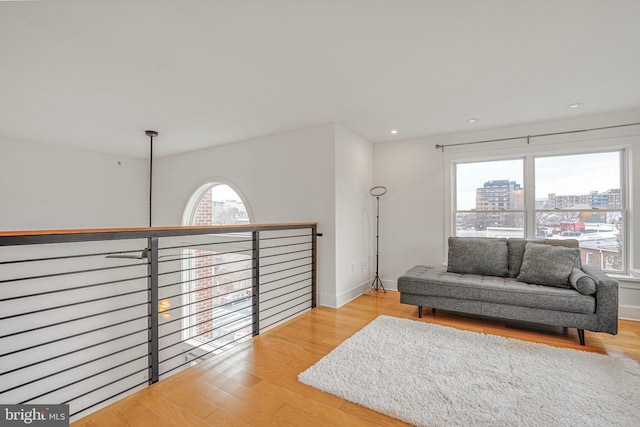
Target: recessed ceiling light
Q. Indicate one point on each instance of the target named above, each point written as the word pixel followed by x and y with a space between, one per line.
pixel 576 105
pixel 472 120
pixel 393 131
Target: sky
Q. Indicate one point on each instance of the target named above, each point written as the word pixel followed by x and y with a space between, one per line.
pixel 562 175
pixel 223 192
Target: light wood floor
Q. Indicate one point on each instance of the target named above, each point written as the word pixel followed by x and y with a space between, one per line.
pixel 256 384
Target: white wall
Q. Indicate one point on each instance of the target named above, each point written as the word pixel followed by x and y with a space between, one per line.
pixel 354 213
pixel 45 187
pixel 288 177
pixel 413 223
pixel 51 187
pixel 411 213
pixel 313 174
pixel 318 174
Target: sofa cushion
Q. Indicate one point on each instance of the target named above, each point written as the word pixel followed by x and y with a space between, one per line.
pixel 517 245
pixel 521 294
pixel 582 282
pixel 436 282
pixel 478 255
pixel 548 265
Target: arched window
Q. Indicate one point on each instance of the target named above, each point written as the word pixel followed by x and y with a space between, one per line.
pixel 218 274
pixel 216 204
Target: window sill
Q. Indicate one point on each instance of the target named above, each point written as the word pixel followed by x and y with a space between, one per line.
pixel 627 280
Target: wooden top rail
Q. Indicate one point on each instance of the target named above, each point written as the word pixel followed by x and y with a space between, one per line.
pixel 249 227
pixel 29 237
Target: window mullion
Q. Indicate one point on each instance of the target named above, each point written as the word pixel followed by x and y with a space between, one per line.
pixel 529 197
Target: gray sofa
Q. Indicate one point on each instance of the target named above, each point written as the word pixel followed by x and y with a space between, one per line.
pixel 539 281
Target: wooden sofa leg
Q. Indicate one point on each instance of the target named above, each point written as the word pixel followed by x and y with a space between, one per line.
pixel 581 336
pixel 433 311
pixel 420 311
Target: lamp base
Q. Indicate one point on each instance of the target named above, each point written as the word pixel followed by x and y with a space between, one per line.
pixel 377 284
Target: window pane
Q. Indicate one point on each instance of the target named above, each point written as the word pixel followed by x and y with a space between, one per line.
pixel 490 185
pixel 569 188
pixel 218 306
pixel 599 234
pixel 220 205
pixel 491 190
pixel 582 181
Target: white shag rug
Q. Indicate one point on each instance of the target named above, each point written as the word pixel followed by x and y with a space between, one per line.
pixel 432 375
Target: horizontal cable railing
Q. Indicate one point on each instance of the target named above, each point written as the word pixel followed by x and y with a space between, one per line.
pixel 88 316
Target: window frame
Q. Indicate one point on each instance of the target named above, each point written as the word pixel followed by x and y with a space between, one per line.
pixel 189 278
pixel 529 153
pixel 457 211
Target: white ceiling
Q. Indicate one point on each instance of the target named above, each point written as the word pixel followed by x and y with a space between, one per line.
pixel 95 74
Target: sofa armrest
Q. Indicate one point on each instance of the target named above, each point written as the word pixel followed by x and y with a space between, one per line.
pixel 606 299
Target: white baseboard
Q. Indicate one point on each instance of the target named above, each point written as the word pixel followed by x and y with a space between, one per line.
pixel 629 312
pixel 351 294
pixel 337 301
pixel 390 285
pixel 327 301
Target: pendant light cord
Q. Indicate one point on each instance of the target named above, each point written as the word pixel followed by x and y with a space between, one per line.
pixel 150 134
pixel 150 179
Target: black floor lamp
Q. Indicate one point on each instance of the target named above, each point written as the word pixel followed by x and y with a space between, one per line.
pixel 377 192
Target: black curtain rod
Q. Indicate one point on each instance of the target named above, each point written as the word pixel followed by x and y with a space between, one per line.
pixel 442 146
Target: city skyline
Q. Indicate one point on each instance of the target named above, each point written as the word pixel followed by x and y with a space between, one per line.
pixel 551 176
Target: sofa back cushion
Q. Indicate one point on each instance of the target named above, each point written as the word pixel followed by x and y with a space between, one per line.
pixel 548 265
pixel 517 246
pixel 478 255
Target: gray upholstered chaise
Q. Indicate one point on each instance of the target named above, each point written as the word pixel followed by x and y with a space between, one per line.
pixel 492 277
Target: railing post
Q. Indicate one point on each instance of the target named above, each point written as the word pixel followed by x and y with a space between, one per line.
pixel 255 285
pixel 314 265
pixel 152 259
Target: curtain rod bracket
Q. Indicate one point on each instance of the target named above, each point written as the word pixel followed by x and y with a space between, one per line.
pixel 440 147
